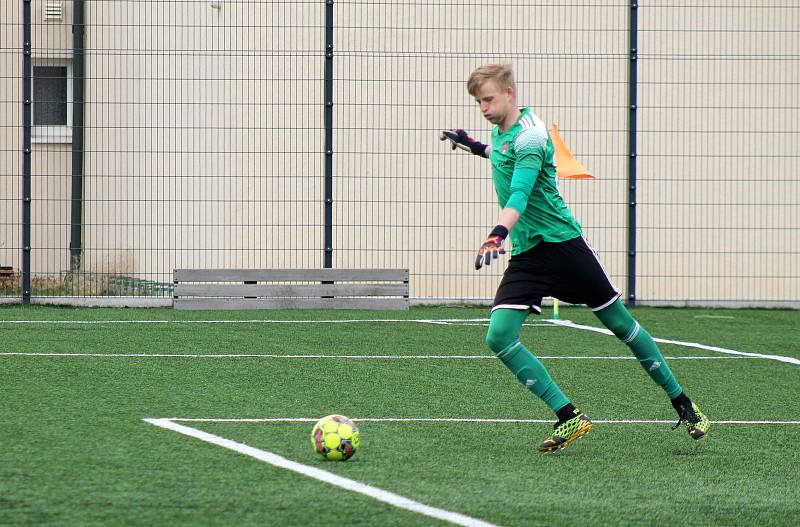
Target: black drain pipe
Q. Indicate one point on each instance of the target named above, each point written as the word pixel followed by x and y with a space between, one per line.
pixel 78 86
pixel 27 97
pixel 328 206
pixel 633 36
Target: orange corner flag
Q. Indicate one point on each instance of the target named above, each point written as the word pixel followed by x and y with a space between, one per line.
pixel 567 167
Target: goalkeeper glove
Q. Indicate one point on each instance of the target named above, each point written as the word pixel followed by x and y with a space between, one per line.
pixel 461 139
pixel 492 247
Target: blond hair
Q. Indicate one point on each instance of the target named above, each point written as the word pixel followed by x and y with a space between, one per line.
pixel 501 74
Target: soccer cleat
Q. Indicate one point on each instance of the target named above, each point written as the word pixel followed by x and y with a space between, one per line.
pixel 565 432
pixel 696 423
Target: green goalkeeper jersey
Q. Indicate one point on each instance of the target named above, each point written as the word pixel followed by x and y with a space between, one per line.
pixel 524 173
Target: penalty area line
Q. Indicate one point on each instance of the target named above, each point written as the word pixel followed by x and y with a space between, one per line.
pixel 275 460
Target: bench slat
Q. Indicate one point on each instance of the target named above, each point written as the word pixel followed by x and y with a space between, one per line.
pixel 290 303
pixel 290 290
pixel 289 275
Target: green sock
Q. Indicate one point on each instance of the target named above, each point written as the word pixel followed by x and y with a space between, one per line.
pixel 503 339
pixel 618 319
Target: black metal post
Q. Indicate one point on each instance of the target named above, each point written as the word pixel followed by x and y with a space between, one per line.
pixel 329 133
pixel 632 101
pixel 78 85
pixel 27 94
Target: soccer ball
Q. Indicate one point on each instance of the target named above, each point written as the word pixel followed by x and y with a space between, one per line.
pixel 335 438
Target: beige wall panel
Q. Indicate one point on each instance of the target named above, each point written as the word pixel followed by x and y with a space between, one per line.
pixel 413 83
pixel 49 39
pixel 731 279
pixel 50 163
pixel 522 28
pixel 719 28
pixel 10 199
pixel 718 185
pixel 205 142
pixel 10 139
pixel 187 105
pixel 188 219
pixel 50 209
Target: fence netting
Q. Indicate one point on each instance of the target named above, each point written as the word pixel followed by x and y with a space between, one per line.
pixel 203 141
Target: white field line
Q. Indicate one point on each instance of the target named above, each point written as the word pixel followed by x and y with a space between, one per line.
pixel 604 331
pixel 353 357
pixel 445 321
pixel 441 321
pixel 461 420
pixel 322 475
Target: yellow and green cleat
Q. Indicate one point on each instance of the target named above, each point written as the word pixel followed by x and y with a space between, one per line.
pixel 565 432
pixel 696 422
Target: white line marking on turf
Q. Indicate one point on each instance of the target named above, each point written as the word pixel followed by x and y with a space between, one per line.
pixel 322 475
pixel 780 358
pixel 444 321
pixel 387 357
pixel 441 321
pixel 460 420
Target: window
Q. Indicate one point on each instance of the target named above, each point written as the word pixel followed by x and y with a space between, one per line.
pixel 52 101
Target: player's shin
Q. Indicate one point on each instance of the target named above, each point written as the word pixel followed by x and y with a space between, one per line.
pixel 618 319
pixel 503 339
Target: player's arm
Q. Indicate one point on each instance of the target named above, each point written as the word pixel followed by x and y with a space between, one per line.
pixel 529 148
pixel 462 139
pixel 508 218
pixel 492 246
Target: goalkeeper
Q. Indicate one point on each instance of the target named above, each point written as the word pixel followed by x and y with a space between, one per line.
pixel 550 257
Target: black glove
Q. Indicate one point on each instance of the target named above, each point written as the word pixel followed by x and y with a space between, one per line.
pixel 461 139
pixel 492 247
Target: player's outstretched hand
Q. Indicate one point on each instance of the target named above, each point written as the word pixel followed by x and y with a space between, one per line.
pixel 461 139
pixel 492 247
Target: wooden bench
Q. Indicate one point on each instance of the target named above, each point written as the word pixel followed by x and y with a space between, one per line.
pixel 290 288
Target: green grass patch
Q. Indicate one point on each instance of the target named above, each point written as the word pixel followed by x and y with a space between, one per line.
pixel 76 451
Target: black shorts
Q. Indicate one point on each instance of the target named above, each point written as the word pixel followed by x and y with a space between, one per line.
pixel 570 271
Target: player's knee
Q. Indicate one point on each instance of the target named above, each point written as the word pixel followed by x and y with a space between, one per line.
pixel 621 328
pixel 494 341
pixel 617 318
pixel 498 340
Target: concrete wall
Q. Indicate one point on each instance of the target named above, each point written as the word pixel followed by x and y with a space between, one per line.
pixel 205 140
pixel 719 186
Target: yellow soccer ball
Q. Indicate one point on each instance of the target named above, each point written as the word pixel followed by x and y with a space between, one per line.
pixel 335 438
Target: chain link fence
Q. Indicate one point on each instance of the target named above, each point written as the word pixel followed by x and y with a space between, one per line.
pixel 137 137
